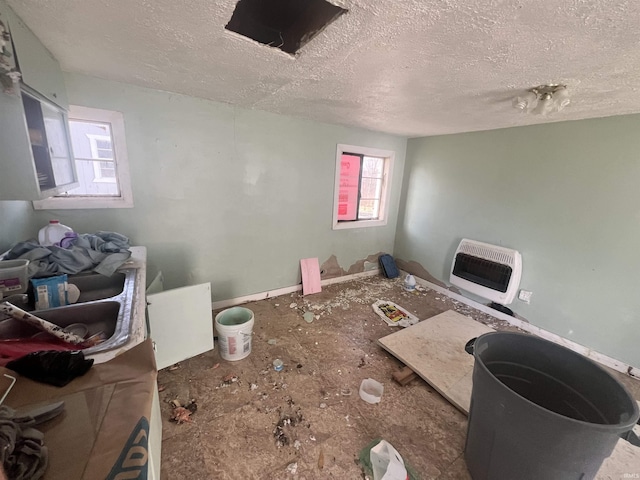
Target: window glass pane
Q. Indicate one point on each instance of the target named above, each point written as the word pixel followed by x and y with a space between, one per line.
pixel 85 135
pixel 93 148
pixel 373 167
pixel 371 188
pixel 106 154
pixel 99 185
pixel 369 210
pixel 108 169
pixel 54 125
pixel 103 144
pixel 348 193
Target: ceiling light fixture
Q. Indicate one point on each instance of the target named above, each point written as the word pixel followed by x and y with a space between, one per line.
pixel 543 99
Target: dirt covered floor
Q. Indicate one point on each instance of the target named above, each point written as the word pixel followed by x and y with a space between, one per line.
pixel 308 421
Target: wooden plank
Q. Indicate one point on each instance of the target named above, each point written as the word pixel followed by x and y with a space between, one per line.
pixel 404 376
pixel 310 276
pixel 434 349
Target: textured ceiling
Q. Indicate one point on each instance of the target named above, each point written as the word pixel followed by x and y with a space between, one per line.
pixel 409 67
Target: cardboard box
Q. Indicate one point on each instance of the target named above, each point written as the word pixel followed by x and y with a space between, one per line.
pixel 104 430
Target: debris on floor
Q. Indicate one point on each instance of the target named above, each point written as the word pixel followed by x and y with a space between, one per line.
pixel 278 365
pixel 393 314
pixel 345 391
pixel 230 378
pixel 386 462
pixel 284 432
pixel 292 468
pixel 322 381
pixel 371 390
pixel 182 414
pixel 369 470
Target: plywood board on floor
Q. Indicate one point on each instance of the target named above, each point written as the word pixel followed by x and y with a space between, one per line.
pixel 434 349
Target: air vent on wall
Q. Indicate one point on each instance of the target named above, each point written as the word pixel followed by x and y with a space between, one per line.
pixel 284 24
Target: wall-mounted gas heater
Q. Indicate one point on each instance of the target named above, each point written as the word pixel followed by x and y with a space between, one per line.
pixel 487 270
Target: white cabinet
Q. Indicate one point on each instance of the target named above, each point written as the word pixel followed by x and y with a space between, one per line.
pixel 48 130
pixel 180 321
pixel 39 69
pixel 35 154
pixel 18 180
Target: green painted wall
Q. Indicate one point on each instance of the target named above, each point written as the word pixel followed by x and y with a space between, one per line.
pixel 16 223
pixel 227 195
pixel 236 197
pixel 564 194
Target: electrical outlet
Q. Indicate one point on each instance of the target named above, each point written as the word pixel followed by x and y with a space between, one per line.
pixel 525 296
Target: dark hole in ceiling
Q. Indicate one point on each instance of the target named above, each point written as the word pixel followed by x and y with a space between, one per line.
pixel 285 24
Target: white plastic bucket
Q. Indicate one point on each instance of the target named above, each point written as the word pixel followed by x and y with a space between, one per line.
pixel 234 326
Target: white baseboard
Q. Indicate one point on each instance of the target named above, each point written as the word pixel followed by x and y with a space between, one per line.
pixel 598 357
pixel 232 302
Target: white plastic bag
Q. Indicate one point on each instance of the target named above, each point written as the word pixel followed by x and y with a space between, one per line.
pixel 386 462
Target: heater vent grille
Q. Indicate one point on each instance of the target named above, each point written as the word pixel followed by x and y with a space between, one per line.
pixel 487 270
pixel 495 254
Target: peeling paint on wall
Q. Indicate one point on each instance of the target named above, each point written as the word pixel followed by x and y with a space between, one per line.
pixel 331 267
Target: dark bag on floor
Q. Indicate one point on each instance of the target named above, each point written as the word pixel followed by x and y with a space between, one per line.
pixel 388 266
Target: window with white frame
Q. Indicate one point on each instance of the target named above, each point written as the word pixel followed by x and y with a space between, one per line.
pixel 104 164
pixel 100 154
pixel 362 186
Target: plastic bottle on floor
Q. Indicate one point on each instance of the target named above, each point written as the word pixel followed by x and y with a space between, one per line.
pixel 410 283
pixel 53 233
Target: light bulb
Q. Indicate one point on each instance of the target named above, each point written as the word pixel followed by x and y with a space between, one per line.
pixel 525 102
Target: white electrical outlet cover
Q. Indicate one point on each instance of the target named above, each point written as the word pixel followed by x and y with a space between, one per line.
pixel 525 296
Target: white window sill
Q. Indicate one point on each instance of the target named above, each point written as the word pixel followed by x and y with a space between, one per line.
pixel 359 224
pixel 82 203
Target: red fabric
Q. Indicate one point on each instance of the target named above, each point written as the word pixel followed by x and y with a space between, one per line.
pixel 19 347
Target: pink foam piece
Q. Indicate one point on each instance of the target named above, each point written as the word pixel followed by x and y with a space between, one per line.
pixel 310 276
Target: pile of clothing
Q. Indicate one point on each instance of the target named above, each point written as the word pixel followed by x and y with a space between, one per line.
pixel 22 452
pixel 102 252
